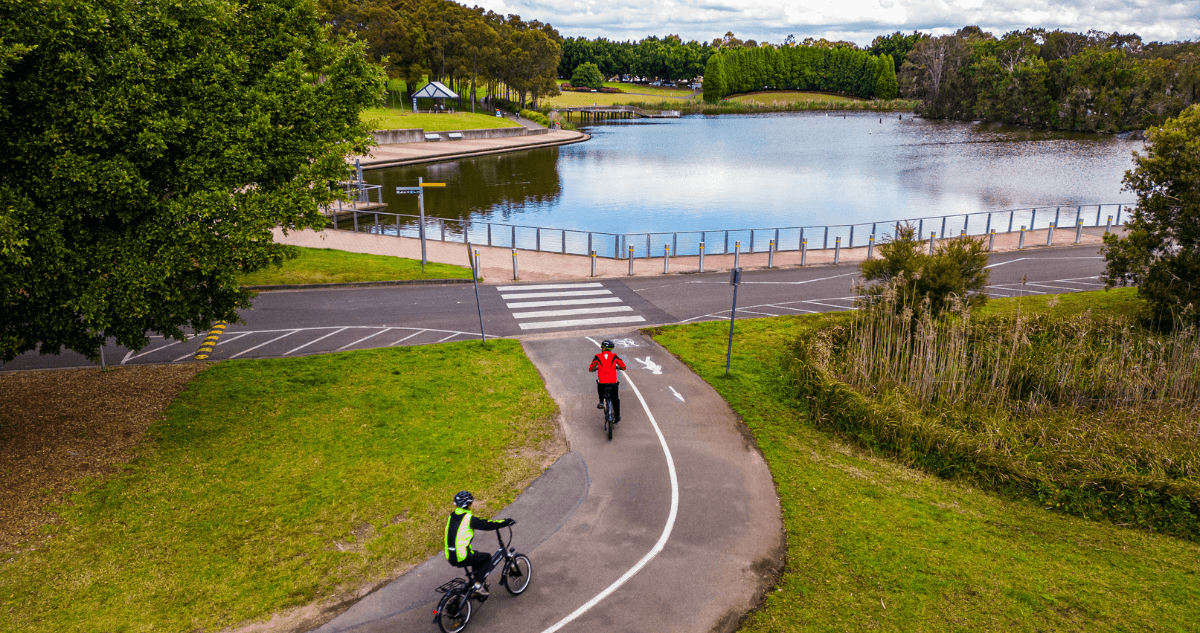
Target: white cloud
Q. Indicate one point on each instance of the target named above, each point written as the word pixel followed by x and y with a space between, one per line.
pixel 855 20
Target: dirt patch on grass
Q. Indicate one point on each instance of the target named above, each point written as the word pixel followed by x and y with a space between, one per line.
pixel 59 426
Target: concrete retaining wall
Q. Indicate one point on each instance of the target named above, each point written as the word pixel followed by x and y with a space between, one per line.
pixel 395 137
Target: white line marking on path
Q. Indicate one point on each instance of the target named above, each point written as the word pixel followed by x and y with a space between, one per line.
pixel 569 293
pixel 662 540
pixel 571 312
pixel 563 302
pixel 574 322
pixel 676 393
pixel 449 337
pixel 314 341
pixel 548 287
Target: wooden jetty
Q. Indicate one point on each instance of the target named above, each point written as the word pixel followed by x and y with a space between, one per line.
pixel 597 113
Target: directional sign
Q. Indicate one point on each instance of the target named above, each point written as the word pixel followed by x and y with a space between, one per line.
pixel 408 190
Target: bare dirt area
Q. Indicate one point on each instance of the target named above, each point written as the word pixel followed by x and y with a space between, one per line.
pixel 59 426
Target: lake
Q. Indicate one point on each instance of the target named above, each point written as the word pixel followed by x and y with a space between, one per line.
pixel 772 170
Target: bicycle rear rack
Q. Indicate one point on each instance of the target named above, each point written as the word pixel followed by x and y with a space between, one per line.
pixel 457 583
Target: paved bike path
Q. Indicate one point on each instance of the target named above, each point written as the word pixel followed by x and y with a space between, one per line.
pixel 722 551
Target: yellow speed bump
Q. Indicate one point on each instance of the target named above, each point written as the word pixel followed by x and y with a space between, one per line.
pixel 210 341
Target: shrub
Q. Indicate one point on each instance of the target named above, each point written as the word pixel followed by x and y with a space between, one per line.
pixel 587 74
pixel 536 117
pixel 922 281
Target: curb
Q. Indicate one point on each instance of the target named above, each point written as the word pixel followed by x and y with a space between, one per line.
pixel 363 284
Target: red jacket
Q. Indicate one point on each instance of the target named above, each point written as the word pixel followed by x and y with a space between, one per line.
pixel 607 363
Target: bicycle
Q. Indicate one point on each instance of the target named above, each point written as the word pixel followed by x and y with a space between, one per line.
pixel 609 414
pixel 608 417
pixel 454 609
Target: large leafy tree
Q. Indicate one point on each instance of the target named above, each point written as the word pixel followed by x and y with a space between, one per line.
pixel 148 148
pixel 1160 253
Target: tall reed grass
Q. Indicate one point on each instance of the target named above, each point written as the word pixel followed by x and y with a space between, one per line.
pixel 1090 414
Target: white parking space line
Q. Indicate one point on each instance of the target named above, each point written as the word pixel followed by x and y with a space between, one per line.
pixel 386 329
pixel 263 344
pixel 1018 291
pixel 578 322
pixel 548 287
pixel 130 356
pixel 758 313
pixel 1040 285
pixel 560 313
pixel 830 305
pixel 451 336
pixel 316 340
pixel 786 307
pixel 567 293
pixel 407 337
pixel 563 302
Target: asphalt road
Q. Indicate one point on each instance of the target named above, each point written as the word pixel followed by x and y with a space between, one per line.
pixel 301 322
pixel 675 528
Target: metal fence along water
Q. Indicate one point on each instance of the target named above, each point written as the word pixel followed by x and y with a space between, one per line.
pixel 720 241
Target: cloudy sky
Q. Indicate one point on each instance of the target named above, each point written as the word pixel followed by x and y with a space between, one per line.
pixel 855 20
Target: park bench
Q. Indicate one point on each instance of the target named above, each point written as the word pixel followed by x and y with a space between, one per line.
pixel 433 137
pixel 455 136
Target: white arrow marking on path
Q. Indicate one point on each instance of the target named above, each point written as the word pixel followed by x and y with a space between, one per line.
pixel 676 393
pixel 648 364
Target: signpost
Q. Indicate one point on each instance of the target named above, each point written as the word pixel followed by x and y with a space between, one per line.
pixel 473 260
pixel 735 278
pixel 420 191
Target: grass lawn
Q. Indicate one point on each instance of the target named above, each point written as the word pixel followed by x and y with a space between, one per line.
pixel 576 99
pixel 277 483
pixel 1116 302
pixel 786 97
pixel 397 119
pixel 876 546
pixel 324 265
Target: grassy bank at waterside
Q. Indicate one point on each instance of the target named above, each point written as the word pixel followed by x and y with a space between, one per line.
pixel 295 482
pixel 401 119
pixel 896 514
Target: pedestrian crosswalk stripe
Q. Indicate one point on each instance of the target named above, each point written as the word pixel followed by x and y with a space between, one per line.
pixel 563 302
pixel 548 287
pixel 574 311
pixel 577 322
pixel 569 293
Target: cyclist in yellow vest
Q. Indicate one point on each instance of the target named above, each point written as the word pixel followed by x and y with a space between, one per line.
pixel 460 529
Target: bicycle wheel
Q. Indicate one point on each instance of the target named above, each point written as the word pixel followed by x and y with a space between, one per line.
pixel 608 417
pixel 454 612
pixel 518 574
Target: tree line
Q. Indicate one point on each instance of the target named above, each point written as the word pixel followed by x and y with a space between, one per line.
pixel 464 48
pixel 810 67
pixel 662 58
pixel 1090 82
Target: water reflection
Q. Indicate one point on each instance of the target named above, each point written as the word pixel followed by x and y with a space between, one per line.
pixel 703 173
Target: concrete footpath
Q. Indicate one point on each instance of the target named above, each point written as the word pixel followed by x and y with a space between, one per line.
pixel 497 263
pixel 426 152
pixel 673 525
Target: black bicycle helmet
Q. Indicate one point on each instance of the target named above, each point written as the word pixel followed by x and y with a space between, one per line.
pixel 607 344
pixel 463 499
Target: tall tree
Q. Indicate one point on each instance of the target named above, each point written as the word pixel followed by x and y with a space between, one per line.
pixel 147 150
pixel 1161 252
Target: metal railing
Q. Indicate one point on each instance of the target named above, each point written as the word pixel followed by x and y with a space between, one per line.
pixel 361 192
pixel 721 241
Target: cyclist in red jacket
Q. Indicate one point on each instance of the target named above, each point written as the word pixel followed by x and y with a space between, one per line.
pixel 607 363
